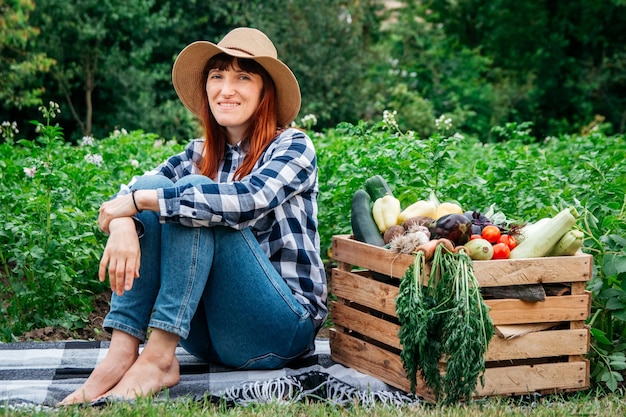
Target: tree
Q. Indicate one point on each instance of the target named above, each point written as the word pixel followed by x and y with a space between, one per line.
pixel 328 45
pixel 20 66
pixel 115 59
pixel 560 62
pixel 100 46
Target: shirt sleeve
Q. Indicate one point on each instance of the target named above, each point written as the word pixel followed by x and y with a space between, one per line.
pixel 175 167
pixel 286 168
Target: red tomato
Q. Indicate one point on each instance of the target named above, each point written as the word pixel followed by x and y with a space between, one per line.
pixel 491 233
pixel 508 240
pixel 472 237
pixel 501 251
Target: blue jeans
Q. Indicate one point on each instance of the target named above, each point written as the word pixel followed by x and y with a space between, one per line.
pixel 216 289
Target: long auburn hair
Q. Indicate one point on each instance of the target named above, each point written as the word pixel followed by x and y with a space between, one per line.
pixel 261 132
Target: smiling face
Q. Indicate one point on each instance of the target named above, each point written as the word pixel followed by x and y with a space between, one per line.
pixel 234 95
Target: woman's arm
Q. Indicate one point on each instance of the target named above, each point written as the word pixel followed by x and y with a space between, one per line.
pixel 123 206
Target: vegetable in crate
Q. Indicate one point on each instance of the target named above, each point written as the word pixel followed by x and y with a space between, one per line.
pixel 443 316
pixel 569 244
pixel 386 211
pixel 479 221
pixel 448 208
pixel 541 242
pixel 417 221
pixel 455 227
pixel 410 240
pixel 364 227
pixel 377 187
pixel 479 249
pixel 421 208
pixel 393 232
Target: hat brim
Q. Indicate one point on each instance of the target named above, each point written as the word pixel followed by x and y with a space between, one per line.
pixel 188 83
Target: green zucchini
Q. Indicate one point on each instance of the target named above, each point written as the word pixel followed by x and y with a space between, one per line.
pixel 364 227
pixel 377 187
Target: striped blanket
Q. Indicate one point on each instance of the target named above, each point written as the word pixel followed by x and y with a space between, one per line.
pixel 42 373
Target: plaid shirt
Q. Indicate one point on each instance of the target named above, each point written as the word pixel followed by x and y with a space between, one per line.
pixel 277 200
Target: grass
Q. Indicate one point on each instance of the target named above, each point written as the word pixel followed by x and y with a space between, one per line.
pixel 588 403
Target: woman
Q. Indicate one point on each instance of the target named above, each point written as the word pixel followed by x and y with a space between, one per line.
pixel 216 249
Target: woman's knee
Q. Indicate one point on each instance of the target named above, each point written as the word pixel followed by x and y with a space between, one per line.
pixel 193 179
pixel 151 182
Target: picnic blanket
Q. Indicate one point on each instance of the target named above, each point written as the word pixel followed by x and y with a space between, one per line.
pixel 42 373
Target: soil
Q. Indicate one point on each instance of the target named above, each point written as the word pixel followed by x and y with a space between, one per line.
pixel 93 330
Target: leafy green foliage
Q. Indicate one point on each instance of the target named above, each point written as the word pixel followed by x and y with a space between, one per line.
pixel 50 192
pixel 444 316
pixel 570 70
pixel 327 46
pixel 472 61
pixel 19 66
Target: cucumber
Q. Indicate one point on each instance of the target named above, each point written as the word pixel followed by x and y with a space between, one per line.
pixel 364 227
pixel 377 187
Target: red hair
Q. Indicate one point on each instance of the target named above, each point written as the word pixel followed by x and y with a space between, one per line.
pixel 261 132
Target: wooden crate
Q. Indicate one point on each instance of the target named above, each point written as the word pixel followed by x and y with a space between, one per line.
pixel 365 333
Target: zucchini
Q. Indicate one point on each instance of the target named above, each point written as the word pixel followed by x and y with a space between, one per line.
pixel 530 228
pixel 541 242
pixel 364 227
pixel 569 244
pixel 377 187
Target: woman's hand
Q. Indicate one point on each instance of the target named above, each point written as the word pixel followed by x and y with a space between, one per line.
pixel 122 255
pixel 124 206
pixel 121 206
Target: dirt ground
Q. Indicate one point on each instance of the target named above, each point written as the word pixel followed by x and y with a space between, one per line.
pixel 93 330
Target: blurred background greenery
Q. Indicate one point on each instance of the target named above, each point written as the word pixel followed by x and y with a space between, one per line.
pixel 559 65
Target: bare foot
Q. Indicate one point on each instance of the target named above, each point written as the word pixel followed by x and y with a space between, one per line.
pixel 108 373
pixel 147 376
pixel 155 369
pixel 123 352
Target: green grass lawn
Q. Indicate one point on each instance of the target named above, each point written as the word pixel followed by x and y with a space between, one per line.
pixel 566 405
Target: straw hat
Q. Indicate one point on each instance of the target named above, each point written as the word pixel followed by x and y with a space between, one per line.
pixel 241 43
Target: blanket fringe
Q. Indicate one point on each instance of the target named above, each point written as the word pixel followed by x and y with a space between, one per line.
pixel 312 386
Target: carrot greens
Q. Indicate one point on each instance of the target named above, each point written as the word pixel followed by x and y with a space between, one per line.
pixel 443 321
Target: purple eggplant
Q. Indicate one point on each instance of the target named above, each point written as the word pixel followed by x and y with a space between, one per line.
pixel 454 227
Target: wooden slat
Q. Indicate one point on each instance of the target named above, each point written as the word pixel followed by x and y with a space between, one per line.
pixel 374 361
pixel 509 380
pixel 543 344
pixel 381 297
pixel 370 257
pixel 365 291
pixel 577 268
pixel 366 324
pixel 525 379
pixel 533 270
pixel 553 309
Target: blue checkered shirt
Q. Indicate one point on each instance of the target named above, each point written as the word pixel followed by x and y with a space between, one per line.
pixel 277 200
